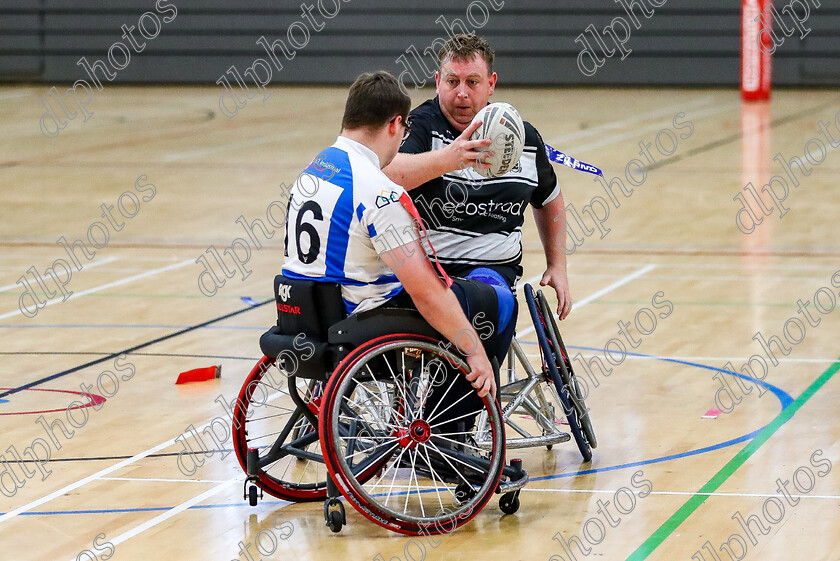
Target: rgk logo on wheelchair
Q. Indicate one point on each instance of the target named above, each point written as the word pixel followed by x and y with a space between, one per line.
pixel 284 292
pixel 377 408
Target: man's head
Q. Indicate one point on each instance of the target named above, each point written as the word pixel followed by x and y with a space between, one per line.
pixel 465 80
pixel 376 110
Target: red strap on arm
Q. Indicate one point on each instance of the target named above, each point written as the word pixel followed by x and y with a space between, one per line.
pixel 424 235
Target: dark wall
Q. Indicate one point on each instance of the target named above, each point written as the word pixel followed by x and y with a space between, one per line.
pixel 685 42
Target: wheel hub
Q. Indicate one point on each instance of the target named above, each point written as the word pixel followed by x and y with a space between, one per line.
pixel 418 431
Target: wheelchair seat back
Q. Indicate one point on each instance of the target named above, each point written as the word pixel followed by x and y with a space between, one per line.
pixel 314 333
pixel 305 311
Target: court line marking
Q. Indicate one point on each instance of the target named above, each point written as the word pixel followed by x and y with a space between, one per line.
pixel 15 94
pixel 692 504
pixel 170 513
pixel 598 294
pixel 126 326
pixel 689 250
pixel 104 261
pixel 119 465
pixel 784 400
pixel 107 286
pixel 84 481
pixel 199 153
pixel 714 494
pixel 758 275
pixel 612 125
pixel 738 265
pixel 637 131
pixel 161 480
pixel 132 349
pixel 526 489
pixel 684 358
pixel 535 278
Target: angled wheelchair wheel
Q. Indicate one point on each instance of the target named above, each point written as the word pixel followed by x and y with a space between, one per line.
pixel 550 364
pixel 564 366
pixel 400 405
pixel 266 418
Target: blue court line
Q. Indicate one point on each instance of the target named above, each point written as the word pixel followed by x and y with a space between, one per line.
pixel 4 401
pixel 784 399
pixel 147 509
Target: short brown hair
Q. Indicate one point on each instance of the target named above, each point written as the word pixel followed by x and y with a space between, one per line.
pixel 374 99
pixel 464 47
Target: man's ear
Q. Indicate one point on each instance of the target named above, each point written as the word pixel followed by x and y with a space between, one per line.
pixel 493 79
pixel 437 82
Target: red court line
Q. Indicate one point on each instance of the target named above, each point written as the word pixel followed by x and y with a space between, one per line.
pixel 93 399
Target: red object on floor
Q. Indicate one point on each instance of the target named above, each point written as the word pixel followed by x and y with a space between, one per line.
pixel 199 374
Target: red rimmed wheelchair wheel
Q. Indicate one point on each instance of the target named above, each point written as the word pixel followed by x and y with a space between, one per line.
pixel 400 404
pixel 265 418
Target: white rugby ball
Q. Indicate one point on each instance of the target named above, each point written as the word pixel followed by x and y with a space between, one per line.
pixel 502 125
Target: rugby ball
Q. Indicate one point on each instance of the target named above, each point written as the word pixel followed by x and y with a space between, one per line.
pixel 502 125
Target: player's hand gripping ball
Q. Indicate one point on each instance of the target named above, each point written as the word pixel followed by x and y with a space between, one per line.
pixel 500 123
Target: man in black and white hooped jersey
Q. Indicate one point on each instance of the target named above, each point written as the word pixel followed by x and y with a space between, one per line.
pixel 476 222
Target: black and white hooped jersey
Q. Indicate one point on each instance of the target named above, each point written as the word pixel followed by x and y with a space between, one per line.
pixel 474 221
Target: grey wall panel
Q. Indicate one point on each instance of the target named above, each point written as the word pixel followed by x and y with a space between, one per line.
pixel 684 42
pixel 20 67
pixel 16 22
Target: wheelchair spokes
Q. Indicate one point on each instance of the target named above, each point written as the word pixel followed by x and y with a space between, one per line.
pixel 290 465
pixel 431 472
pixel 398 430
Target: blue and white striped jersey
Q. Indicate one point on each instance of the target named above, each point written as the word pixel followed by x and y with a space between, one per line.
pixel 343 213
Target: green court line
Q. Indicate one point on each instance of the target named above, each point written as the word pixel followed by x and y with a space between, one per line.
pixel 692 504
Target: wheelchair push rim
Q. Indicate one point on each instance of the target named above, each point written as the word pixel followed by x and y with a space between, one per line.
pixel 550 364
pixel 567 375
pixel 427 482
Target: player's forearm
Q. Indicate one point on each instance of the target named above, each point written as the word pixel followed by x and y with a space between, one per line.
pixel 413 170
pixel 551 226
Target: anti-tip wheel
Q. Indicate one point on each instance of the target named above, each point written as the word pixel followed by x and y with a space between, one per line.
pixel 464 492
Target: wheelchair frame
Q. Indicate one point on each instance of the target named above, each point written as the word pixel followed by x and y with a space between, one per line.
pixel 328 430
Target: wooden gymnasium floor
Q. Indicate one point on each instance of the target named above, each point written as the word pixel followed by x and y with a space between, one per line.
pixel 676 235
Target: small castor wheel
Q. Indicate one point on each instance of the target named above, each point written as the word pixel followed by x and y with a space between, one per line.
pixel 252 495
pixel 549 447
pixel 464 492
pixel 509 503
pixel 335 518
pixel 335 521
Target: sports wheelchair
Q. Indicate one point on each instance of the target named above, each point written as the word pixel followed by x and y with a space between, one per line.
pixel 347 406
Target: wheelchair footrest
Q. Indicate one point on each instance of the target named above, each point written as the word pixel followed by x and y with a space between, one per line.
pixel 534 441
pixel 516 477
